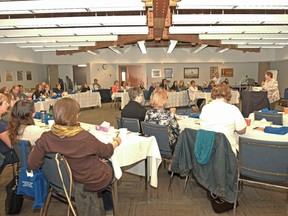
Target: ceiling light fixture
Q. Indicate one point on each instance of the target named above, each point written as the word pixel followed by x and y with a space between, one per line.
pixel 81 65
pixel 91 52
pixel 115 49
pixel 173 43
pixel 200 48
pixel 142 47
pixel 223 50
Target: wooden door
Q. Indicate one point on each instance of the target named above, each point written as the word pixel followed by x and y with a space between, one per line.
pixel 134 74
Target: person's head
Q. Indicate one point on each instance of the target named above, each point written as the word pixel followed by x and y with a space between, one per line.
pixel 66 112
pixel 268 75
pixel 95 81
pixel 58 86
pixel 10 100
pixel 15 89
pixel 158 98
pixel 21 115
pixel 43 84
pixel 164 82
pixel 38 87
pixel 211 84
pixel 85 85
pixel 47 87
pixel 4 90
pixel 116 83
pixel 221 91
pixel 123 84
pixel 175 83
pixel 3 104
pixel 181 83
pixel 217 75
pixel 136 94
pixel 193 83
pixel 21 88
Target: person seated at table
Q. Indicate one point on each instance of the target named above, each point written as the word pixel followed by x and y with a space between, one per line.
pixel 96 85
pixel 37 93
pixel 151 89
pixel 271 86
pixel 58 89
pixel 192 94
pixel 164 85
pixel 85 87
pixel 5 143
pixel 220 116
pixel 216 79
pixel 4 90
pixel 134 109
pixel 14 92
pixel 11 101
pixel 124 86
pixel 159 115
pixel 115 87
pixel 85 154
pixel 174 87
pixel 43 85
pixel 181 86
pixel 211 85
pixel 22 126
pixel 142 85
pixel 21 93
pixel 47 92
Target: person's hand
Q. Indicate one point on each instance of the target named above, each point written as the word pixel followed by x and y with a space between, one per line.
pixel 118 140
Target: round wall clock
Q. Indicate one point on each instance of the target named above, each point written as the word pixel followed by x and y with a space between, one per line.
pixel 104 66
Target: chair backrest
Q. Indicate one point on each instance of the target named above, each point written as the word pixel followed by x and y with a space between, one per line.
pixel 131 124
pixel 145 93
pixel 18 149
pixel 119 121
pixel 162 136
pixel 263 160
pixel 51 173
pixel 276 118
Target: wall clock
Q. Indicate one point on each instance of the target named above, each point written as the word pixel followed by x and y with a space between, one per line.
pixel 104 66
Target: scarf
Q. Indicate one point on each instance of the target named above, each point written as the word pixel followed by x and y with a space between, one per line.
pixel 66 131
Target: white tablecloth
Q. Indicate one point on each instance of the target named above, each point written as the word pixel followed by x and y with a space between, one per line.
pixel 86 99
pixel 124 98
pixel 285 118
pixel 207 96
pixel 177 99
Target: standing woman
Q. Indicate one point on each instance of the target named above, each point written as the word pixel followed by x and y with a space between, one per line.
pixel 271 86
pixel 22 126
pixel 85 154
pixel 5 143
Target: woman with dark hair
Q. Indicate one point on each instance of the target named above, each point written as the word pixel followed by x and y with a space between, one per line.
pixel 164 85
pixel 5 143
pixel 21 125
pixel 37 93
pixel 174 87
pixel 85 87
pixel 11 101
pixel 220 116
pixel 84 152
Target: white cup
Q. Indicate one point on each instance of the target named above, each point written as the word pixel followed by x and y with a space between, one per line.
pixel 123 133
pixel 50 123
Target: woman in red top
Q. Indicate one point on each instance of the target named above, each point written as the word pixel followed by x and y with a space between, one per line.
pixel 115 88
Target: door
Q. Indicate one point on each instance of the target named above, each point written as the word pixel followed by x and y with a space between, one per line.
pixel 131 73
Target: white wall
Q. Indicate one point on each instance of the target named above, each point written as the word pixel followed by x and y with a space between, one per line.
pixel 39 73
pixel 65 70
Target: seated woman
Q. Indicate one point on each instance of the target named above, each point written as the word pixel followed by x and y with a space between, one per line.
pixel 159 115
pixel 192 93
pixel 47 92
pixel 85 87
pixel 164 85
pixel 5 143
pixel 22 126
pixel 58 89
pixel 85 154
pixel 124 86
pixel 115 87
pixel 181 86
pixel 11 101
pixel 211 85
pixel 37 93
pixel 134 109
pixel 174 87
pixel 220 116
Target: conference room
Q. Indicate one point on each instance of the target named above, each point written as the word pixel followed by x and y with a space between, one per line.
pixel 141 42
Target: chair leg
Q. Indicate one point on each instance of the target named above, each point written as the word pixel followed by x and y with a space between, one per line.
pixel 185 185
pixel 171 180
pixel 46 204
pixel 115 197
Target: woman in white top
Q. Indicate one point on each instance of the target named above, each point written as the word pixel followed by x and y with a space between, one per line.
pixel 220 116
pixel 217 79
pixel 192 93
pixel 22 126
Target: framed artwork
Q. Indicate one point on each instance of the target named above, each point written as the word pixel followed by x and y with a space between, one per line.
pixel 168 72
pixel 190 73
pixel 227 72
pixel 19 75
pixel 28 75
pixel 156 73
pixel 9 75
pixel 213 71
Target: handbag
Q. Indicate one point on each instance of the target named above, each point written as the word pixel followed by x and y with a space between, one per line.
pixel 32 183
pixel 13 201
pixel 218 204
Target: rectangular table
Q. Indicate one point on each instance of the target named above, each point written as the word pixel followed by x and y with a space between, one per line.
pixel 207 96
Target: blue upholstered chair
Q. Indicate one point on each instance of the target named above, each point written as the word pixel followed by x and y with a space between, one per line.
pixel 275 118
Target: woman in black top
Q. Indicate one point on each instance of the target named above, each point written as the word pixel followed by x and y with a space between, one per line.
pixel 37 93
pixel 85 87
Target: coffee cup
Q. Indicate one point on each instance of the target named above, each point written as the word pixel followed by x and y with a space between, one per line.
pixel 248 121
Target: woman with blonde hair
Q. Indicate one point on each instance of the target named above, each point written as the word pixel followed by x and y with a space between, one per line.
pixel 5 143
pixel 159 115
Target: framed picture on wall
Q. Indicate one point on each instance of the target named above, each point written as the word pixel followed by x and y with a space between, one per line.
pixel 227 72
pixel 213 71
pixel 168 72
pixel 19 75
pixel 190 73
pixel 9 75
pixel 28 75
pixel 156 73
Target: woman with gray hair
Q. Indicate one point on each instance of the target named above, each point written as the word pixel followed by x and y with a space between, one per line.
pixel 134 109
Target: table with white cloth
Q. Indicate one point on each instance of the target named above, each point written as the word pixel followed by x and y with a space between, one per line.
pixel 86 99
pixel 207 96
pixel 285 118
pixel 177 99
pixel 125 98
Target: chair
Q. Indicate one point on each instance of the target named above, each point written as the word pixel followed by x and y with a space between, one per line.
pixel 191 102
pixel 119 121
pixel 263 162
pixel 131 124
pixel 18 149
pixel 146 96
pixel 52 175
pixel 218 175
pixel 161 134
pixel 116 101
pixel 276 118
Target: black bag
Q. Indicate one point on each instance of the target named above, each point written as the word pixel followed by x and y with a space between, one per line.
pixel 13 202
pixel 219 205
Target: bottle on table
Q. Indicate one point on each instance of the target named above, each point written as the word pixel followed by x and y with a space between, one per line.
pixel 51 110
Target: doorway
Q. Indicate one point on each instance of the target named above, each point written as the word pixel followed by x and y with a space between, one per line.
pixel 132 74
